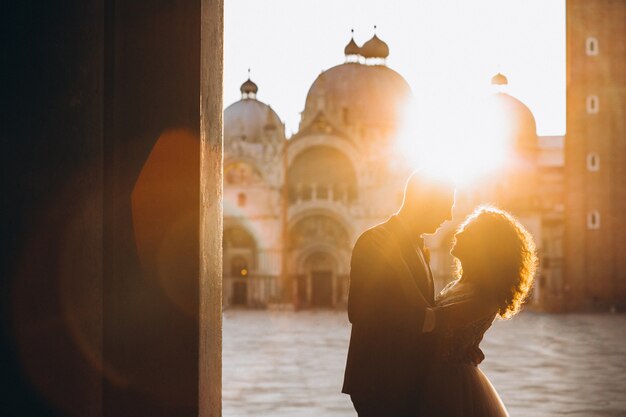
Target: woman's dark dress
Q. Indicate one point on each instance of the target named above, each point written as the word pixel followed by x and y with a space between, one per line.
pixel 457 387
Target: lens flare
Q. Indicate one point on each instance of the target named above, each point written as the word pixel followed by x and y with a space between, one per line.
pixel 461 138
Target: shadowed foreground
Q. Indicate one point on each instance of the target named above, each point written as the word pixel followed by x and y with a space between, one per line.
pixel 283 364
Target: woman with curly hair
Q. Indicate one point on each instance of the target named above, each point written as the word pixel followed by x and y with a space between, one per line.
pixel 496 263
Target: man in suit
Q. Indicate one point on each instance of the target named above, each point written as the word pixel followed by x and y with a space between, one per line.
pixel 389 304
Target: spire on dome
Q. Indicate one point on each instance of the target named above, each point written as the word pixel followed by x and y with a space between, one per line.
pixel 499 79
pixel 248 88
pixel 352 50
pixel 375 48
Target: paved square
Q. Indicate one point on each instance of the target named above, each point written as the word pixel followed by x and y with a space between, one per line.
pixel 285 364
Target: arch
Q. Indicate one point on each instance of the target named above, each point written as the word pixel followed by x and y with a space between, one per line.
pixel 300 144
pixel 324 172
pixel 239 263
pixel 239 269
pixel 238 237
pixel 341 257
pixel 340 219
pixel 322 276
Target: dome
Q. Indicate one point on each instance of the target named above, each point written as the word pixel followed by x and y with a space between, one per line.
pixel 520 121
pixel 248 120
pixel 499 79
pixel 352 48
pixel 248 89
pixel 357 95
pixel 375 48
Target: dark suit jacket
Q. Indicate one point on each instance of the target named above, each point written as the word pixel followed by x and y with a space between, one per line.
pixel 390 288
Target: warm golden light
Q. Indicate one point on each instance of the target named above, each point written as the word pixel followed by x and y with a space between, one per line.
pixel 459 138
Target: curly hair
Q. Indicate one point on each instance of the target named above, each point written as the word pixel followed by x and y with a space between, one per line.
pixel 494 249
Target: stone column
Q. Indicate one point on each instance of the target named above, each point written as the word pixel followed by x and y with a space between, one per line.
pixel 211 216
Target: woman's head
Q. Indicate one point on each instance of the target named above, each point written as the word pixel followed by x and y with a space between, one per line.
pixel 497 252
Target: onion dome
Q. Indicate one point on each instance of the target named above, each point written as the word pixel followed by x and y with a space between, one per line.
pixel 248 88
pixel 375 48
pixel 499 79
pixel 352 48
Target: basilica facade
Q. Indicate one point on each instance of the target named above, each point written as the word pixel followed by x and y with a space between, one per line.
pixel 294 207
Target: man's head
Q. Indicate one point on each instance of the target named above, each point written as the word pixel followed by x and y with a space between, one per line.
pixel 427 203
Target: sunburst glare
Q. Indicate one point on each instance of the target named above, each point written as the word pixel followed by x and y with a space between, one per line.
pixel 461 138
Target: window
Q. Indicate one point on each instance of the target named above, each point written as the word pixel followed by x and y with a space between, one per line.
pixel 593 162
pixel 306 193
pixel 241 199
pixel 322 192
pixel 591 46
pixel 593 220
pixel 593 104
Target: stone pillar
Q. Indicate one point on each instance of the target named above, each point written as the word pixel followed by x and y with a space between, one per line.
pixel 97 322
pixel 211 216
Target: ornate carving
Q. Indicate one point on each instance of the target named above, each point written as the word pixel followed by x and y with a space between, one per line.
pixel 240 173
pixel 316 229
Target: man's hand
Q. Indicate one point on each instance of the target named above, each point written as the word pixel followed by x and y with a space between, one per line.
pixel 429 321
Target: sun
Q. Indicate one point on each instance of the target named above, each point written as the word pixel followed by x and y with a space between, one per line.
pixel 463 139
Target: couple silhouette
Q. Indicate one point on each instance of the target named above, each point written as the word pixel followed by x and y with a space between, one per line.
pixel 416 353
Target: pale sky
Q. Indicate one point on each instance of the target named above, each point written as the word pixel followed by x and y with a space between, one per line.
pixel 441 47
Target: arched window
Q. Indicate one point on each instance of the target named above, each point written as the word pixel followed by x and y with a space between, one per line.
pixel 593 162
pixel 591 46
pixel 306 193
pixel 593 220
pixel 322 192
pixel 319 169
pixel 338 192
pixel 593 104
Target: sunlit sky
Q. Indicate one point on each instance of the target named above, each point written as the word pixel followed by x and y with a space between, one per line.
pixel 443 48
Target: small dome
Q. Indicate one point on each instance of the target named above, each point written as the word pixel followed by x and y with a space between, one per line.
pixel 352 48
pixel 499 79
pixel 249 120
pixel 249 89
pixel 375 48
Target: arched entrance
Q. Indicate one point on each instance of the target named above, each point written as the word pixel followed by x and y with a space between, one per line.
pixel 239 271
pixel 239 260
pixel 320 256
pixel 321 278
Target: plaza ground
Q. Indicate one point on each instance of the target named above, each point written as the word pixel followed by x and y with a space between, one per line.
pixel 286 364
